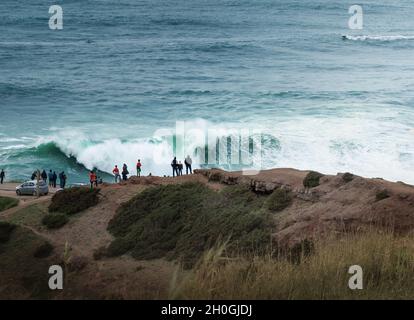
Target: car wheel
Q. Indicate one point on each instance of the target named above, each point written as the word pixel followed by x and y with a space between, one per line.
pixel 18 192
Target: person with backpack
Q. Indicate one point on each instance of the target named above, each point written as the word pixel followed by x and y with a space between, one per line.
pixel 125 172
pixel 188 163
pixel 116 174
pixel 139 166
pixel 174 166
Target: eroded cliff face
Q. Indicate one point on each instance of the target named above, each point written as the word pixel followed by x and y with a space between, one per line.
pixel 341 203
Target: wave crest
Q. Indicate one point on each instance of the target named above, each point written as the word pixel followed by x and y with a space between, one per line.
pixel 383 38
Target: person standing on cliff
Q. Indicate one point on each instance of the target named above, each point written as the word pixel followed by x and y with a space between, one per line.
pixel 93 179
pixel 54 179
pixel 180 168
pixel 139 165
pixel 50 176
pixel 2 175
pixel 188 163
pixel 174 166
pixel 44 175
pixel 125 172
pixel 116 174
pixel 62 179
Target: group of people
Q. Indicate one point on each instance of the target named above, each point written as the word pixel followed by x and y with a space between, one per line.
pixel 125 172
pixel 178 167
pixel 52 177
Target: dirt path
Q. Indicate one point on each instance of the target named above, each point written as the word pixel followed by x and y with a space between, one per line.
pixel 9 190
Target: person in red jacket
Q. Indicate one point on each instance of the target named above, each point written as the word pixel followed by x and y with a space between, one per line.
pixel 93 179
pixel 139 165
pixel 116 174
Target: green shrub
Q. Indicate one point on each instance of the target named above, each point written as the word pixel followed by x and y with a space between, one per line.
pixel 279 200
pixel 347 177
pixel 55 220
pixel 44 250
pixel 7 203
pixel 381 195
pixel 312 179
pixel 181 221
pixel 74 200
pixel 21 271
pixel 99 253
pixel 5 231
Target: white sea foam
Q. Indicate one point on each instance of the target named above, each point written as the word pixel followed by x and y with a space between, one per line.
pixel 378 37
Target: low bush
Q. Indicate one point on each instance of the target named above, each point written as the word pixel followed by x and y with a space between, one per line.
pixel 44 250
pixel 55 220
pixel 312 179
pixel 5 231
pixel 74 200
pixel 381 195
pixel 23 275
pixel 181 221
pixel 279 200
pixel 347 177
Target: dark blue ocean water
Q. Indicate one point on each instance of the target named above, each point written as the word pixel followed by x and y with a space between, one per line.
pixel 95 93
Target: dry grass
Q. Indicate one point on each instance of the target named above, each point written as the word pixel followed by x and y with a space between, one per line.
pixel 387 263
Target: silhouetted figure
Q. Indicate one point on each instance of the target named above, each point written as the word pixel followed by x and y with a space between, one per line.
pixel 125 172
pixel 44 175
pixel 54 179
pixel 34 175
pixel 174 166
pixel 180 168
pixel 50 176
pixel 188 165
pixel 2 176
pixel 62 179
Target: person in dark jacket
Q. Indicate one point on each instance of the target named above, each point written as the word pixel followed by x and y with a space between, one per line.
pixel 62 179
pixel 54 179
pixel 188 163
pixel 125 172
pixel 50 176
pixel 2 176
pixel 180 168
pixel 44 175
pixel 174 165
